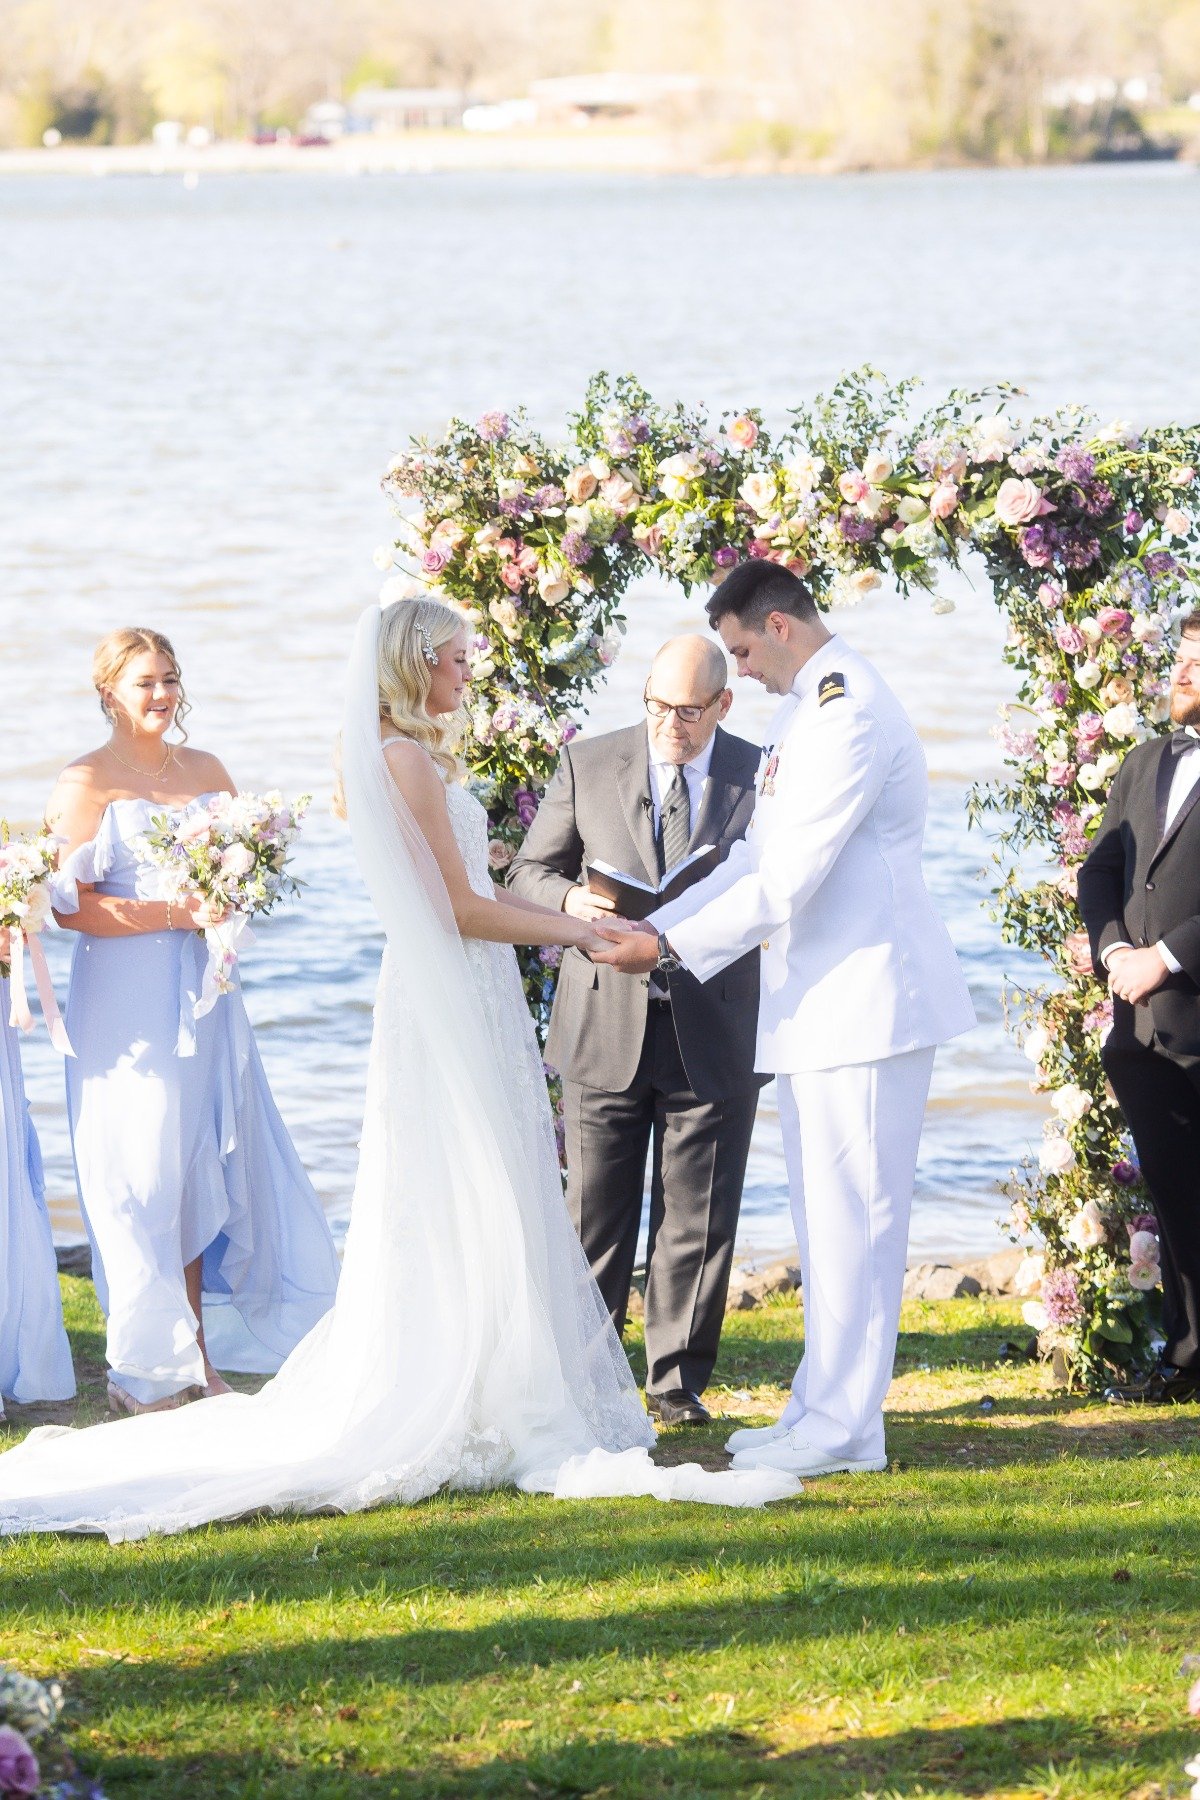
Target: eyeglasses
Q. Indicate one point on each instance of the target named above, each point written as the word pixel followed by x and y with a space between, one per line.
pixel 687 715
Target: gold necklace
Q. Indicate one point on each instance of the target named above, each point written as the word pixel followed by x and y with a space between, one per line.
pixel 150 774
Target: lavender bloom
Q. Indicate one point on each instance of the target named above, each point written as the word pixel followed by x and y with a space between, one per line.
pixel 619 442
pixel 1038 545
pixel 493 427
pixel 1079 551
pixel 726 557
pixel 925 456
pixel 639 430
pixel 1075 464
pixel 1161 562
pixel 1060 1297
pixel 546 497
pixel 1133 521
pixel 518 504
pixel 854 528
pixel 526 804
pixel 576 548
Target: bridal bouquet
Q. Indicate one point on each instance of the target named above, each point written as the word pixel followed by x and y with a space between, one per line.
pixel 233 852
pixel 26 866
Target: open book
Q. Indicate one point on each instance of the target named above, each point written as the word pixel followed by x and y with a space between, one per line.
pixel 636 899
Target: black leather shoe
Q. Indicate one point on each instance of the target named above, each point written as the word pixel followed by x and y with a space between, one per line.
pixel 678 1406
pixel 1164 1386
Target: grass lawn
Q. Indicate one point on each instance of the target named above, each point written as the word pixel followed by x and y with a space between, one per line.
pixel 1002 1613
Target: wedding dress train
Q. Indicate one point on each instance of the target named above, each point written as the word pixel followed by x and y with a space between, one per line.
pixel 468 1345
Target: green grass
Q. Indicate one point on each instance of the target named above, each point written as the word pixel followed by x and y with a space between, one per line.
pixel 1003 1613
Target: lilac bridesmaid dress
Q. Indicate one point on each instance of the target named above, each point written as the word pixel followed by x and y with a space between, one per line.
pixel 179 1149
pixel 35 1358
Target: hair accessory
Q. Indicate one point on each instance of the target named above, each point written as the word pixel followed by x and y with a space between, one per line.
pixel 427 649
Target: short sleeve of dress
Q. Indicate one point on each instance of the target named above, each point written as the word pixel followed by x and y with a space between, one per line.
pixel 88 863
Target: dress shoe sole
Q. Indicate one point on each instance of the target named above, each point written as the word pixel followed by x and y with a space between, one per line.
pixel 871 1465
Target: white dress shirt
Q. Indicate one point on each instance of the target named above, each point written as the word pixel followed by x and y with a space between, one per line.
pixel 695 773
pixel 1187 774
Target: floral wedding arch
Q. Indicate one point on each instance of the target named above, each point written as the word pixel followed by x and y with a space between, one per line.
pixel 1084 535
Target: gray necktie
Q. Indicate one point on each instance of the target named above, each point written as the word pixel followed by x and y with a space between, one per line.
pixel 675 829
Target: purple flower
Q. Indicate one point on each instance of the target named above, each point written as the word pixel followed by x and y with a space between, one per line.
pixel 526 804
pixel 567 732
pixel 1133 521
pixel 1050 593
pixel 493 426
pixel 619 442
pixel 576 548
pixel 1143 1222
pixel 925 456
pixel 1095 497
pixel 1075 463
pixel 550 955
pixel 854 528
pixel 19 1773
pixel 1161 562
pixel 639 430
pixel 518 504
pixel 1125 1173
pixel 546 497
pixel 1078 550
pixel 1059 693
pixel 1069 638
pixel 726 557
pixel 434 561
pixel 1038 544
pixel 1060 1297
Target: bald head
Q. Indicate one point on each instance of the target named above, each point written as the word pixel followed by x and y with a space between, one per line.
pixel 690 672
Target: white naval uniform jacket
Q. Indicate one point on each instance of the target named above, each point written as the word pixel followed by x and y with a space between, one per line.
pixel 856 964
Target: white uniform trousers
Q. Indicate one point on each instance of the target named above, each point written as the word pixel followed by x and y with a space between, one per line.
pixel 850 1140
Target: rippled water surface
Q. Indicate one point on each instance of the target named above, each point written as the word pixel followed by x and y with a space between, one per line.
pixel 203 386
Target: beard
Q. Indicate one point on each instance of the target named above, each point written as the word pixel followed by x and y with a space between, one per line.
pixel 1185 708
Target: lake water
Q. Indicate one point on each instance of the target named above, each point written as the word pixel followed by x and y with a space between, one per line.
pixel 203 385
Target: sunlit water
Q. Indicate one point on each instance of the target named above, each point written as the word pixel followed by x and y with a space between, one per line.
pixel 202 387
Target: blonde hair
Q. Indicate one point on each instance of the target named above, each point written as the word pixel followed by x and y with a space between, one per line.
pixel 408 629
pixel 114 652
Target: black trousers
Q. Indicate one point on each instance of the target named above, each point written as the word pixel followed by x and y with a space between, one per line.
pixel 700 1149
pixel 1161 1102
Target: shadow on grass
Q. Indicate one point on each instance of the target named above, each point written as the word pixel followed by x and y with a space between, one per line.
pixel 1040 1754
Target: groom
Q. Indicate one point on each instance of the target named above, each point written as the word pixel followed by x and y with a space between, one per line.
pixel 859 984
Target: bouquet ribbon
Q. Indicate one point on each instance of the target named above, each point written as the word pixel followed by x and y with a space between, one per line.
pixel 225 943
pixel 19 1015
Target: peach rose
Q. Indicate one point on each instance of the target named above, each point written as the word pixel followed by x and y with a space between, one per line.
pixel 853 487
pixel 1018 501
pixel 876 467
pixel 580 485
pixel 1118 691
pixel 743 432
pixel 758 491
pixel 943 500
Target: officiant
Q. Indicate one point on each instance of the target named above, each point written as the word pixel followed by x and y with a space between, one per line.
pixel 654 1067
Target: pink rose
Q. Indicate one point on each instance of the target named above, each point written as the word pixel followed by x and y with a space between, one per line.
pixel 649 538
pixel 527 560
pixel 1060 774
pixel 505 547
pixel 499 854
pixel 943 500
pixel 743 432
pixel 853 487
pixel 1113 620
pixel 512 577
pixel 19 1773
pixel 1070 639
pixel 1017 502
pixel 434 560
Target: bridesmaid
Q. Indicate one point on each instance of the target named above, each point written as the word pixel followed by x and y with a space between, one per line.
pixel 209 1245
pixel 35 1358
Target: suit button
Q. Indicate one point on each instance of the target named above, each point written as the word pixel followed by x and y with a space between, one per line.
pixel 1149 887
pixel 766 943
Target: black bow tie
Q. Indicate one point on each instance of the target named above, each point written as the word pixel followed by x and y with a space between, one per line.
pixel 1184 740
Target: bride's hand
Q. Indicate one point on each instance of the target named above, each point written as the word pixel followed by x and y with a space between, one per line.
pixel 603 938
pixel 199 912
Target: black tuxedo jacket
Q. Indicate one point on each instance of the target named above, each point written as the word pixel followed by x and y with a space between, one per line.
pixel 1140 884
pixel 598 807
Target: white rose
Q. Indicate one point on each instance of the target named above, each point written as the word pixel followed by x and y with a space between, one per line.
pixel 1147 631
pixel 1017 501
pixel 1088 674
pixel 1121 721
pixel 876 467
pixel 600 466
pixel 1090 777
pixel 1070 1103
pixel 993 438
pixel 1086 1230
pixel 873 505
pixel 384 556
pixel 553 588
pixel 578 518
pixel 911 509
pixel 1035 1315
pixel 1143 1247
pixel 1119 431
pixel 804 475
pixel 237 861
pixel 758 491
pixel 1176 522
pixel 943 605
pixel 1159 711
pixel 399 587
pixel 499 854
pixel 1055 1156
pixel 1028 1278
pixel 1091 629
pixel 37 908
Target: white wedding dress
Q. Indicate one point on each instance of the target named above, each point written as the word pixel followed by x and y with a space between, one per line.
pixel 468 1345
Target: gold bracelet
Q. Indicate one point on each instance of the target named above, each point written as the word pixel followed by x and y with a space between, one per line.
pixel 170 921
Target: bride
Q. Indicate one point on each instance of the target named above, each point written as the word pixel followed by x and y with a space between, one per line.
pixel 468 1345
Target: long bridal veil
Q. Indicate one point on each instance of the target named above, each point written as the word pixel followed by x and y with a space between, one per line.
pixel 468 1344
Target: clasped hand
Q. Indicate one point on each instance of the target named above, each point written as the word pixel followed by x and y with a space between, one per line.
pixel 1134 975
pixel 628 945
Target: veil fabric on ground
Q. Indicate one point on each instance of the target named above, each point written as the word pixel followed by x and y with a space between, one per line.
pixel 468 1345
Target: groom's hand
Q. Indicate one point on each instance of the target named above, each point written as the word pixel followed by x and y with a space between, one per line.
pixel 633 951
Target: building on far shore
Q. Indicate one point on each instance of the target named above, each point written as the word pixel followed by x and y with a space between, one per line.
pixel 612 98
pixel 388 111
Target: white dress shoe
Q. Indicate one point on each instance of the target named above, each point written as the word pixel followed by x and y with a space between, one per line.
pixel 750 1437
pixel 794 1455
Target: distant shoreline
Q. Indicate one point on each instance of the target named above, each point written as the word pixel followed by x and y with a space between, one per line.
pixel 445 152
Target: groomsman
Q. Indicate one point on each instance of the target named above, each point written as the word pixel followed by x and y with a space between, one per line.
pixel 859 984
pixel 663 1066
pixel 1139 893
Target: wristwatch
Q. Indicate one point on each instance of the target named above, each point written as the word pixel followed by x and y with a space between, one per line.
pixel 668 963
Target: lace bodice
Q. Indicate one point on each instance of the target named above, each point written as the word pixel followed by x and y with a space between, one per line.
pixel 469 822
